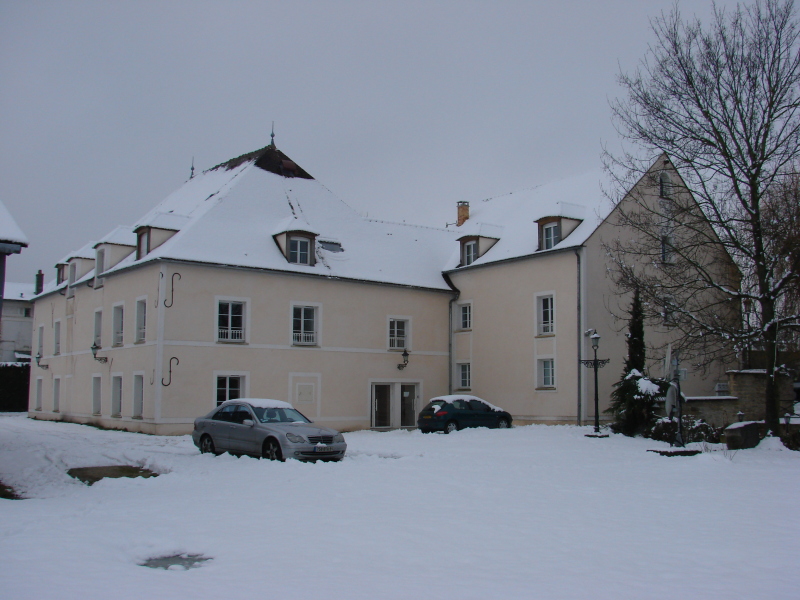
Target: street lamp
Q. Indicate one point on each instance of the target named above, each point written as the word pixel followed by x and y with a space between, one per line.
pixel 404 364
pixel 596 364
pixel 94 349
pixel 38 358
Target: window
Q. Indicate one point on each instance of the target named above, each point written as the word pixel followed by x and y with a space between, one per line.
pixel 397 333
pixel 98 328
pixel 96 391
pixel 664 186
pixel 331 246
pixel 40 346
pixel 117 325
pixel 464 376
pixel 57 337
pixel 73 270
pixel 99 267
pixel 546 320
pixel 138 396
pixel 61 273
pixel 304 325
pixel 27 312
pixel 667 250
pixel 668 306
pixel 469 252
pixel 229 388
pixel 230 321
pixel 116 396
pixel 38 400
pixel 547 373
pixel 141 319
pixel 300 250
pixel 551 235
pixel 466 316
pixel 56 394
pixel 143 243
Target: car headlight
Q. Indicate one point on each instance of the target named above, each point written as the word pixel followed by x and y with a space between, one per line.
pixel 295 439
pixel 338 438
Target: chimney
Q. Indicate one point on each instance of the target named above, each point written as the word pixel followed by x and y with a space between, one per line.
pixel 463 212
pixel 39 282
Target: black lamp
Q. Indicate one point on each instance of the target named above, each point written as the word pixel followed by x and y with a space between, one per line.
pixel 403 364
pixel 95 348
pixel 38 358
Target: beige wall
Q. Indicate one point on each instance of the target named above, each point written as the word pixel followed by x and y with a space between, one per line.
pixel 330 381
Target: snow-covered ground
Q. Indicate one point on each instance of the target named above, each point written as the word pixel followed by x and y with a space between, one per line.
pixel 531 512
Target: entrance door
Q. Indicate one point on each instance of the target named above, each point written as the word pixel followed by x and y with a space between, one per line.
pixel 408 397
pixel 381 405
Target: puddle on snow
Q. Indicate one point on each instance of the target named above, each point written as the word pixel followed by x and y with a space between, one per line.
pixel 92 475
pixel 176 562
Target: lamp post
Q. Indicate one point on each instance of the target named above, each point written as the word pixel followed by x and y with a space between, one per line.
pixel 596 364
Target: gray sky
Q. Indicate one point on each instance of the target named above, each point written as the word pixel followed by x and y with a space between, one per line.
pixel 400 108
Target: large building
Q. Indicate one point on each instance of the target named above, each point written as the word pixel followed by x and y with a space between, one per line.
pixel 255 280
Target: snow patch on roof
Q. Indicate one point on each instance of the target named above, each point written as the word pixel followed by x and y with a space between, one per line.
pixel 10 232
pixel 121 235
pixel 18 291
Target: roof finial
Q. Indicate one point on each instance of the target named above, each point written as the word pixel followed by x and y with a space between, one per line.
pixel 191 173
pixel 272 135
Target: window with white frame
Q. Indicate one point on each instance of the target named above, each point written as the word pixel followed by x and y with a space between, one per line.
pixel 99 267
pixel 38 399
pixel 229 387
pixel 98 328
pixel 141 319
pixel 547 373
pixel 299 250
pixel 117 325
pixel 551 234
pixel 304 325
pixel 230 321
pixel 142 243
pixel 57 337
pixel 116 396
pixel 138 396
pixel 546 320
pixel 97 387
pixel 466 316
pixel 398 331
pixel 56 394
pixel 469 252
pixel 464 375
pixel 73 271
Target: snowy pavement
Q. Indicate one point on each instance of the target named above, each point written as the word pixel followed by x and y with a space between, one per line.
pixel 532 512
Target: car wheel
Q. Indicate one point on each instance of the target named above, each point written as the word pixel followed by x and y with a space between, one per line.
pixel 450 427
pixel 272 450
pixel 502 424
pixel 207 445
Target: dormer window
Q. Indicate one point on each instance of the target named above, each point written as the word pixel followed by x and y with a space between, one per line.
pixel 469 252
pixel 99 267
pixel 61 273
pixel 551 235
pixel 142 243
pixel 300 250
pixel 73 272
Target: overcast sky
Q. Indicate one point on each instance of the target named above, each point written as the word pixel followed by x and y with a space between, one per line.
pixel 400 108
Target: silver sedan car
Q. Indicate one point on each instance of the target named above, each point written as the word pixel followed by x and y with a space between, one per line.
pixel 266 428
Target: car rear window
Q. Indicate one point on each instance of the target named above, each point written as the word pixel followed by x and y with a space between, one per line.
pixel 435 406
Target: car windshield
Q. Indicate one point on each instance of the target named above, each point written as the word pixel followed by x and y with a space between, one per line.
pixel 279 415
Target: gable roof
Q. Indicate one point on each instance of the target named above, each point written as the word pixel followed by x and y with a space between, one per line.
pixel 10 232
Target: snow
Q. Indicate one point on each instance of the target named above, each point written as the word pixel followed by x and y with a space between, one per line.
pixel 529 512
pixel 18 291
pixel 647 387
pixel 451 397
pixel 10 232
pixel 262 402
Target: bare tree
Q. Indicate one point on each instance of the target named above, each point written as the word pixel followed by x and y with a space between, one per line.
pixel 719 107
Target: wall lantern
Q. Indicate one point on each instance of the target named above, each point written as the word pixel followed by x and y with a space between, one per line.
pixel 404 364
pixel 95 348
pixel 38 358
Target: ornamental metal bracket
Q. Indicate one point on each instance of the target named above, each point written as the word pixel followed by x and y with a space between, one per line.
pixel 177 362
pixel 172 291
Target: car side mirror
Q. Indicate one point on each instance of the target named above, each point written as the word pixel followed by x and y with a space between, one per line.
pixel 248 422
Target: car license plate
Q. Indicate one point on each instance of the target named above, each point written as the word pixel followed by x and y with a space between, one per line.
pixel 324 449
pixel 426 416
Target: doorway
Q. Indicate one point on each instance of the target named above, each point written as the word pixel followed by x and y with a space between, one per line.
pixel 394 405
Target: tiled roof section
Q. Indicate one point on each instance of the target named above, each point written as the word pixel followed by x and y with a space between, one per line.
pixel 270 159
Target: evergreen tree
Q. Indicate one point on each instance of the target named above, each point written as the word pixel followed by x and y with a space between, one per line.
pixel 633 401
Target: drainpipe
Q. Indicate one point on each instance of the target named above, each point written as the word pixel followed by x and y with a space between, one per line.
pixel 450 332
pixel 579 333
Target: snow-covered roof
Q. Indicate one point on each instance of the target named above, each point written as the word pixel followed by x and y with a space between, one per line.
pixel 512 218
pixel 86 251
pixel 229 215
pixel 121 235
pixel 18 291
pixel 261 402
pixel 10 233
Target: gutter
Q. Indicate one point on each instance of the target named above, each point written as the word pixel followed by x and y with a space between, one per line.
pixel 450 331
pixel 580 338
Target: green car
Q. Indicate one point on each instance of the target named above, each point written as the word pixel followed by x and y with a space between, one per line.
pixel 451 413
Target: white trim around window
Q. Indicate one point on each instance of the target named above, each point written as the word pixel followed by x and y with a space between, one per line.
pixel 140 330
pixel 398 332
pixel 57 337
pixel 306 334
pixel 546 313
pixel 97 394
pixel 116 394
pixel 56 394
pixel 118 324
pixel 464 316
pixel 37 399
pixel 98 328
pixel 463 376
pixel 235 329
pixel 137 395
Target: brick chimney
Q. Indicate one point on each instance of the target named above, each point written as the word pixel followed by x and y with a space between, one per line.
pixel 463 212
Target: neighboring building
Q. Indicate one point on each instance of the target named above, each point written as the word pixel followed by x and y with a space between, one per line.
pixel 254 280
pixel 12 241
pixel 16 326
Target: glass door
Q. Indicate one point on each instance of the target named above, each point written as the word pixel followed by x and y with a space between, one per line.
pixel 381 405
pixel 408 401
